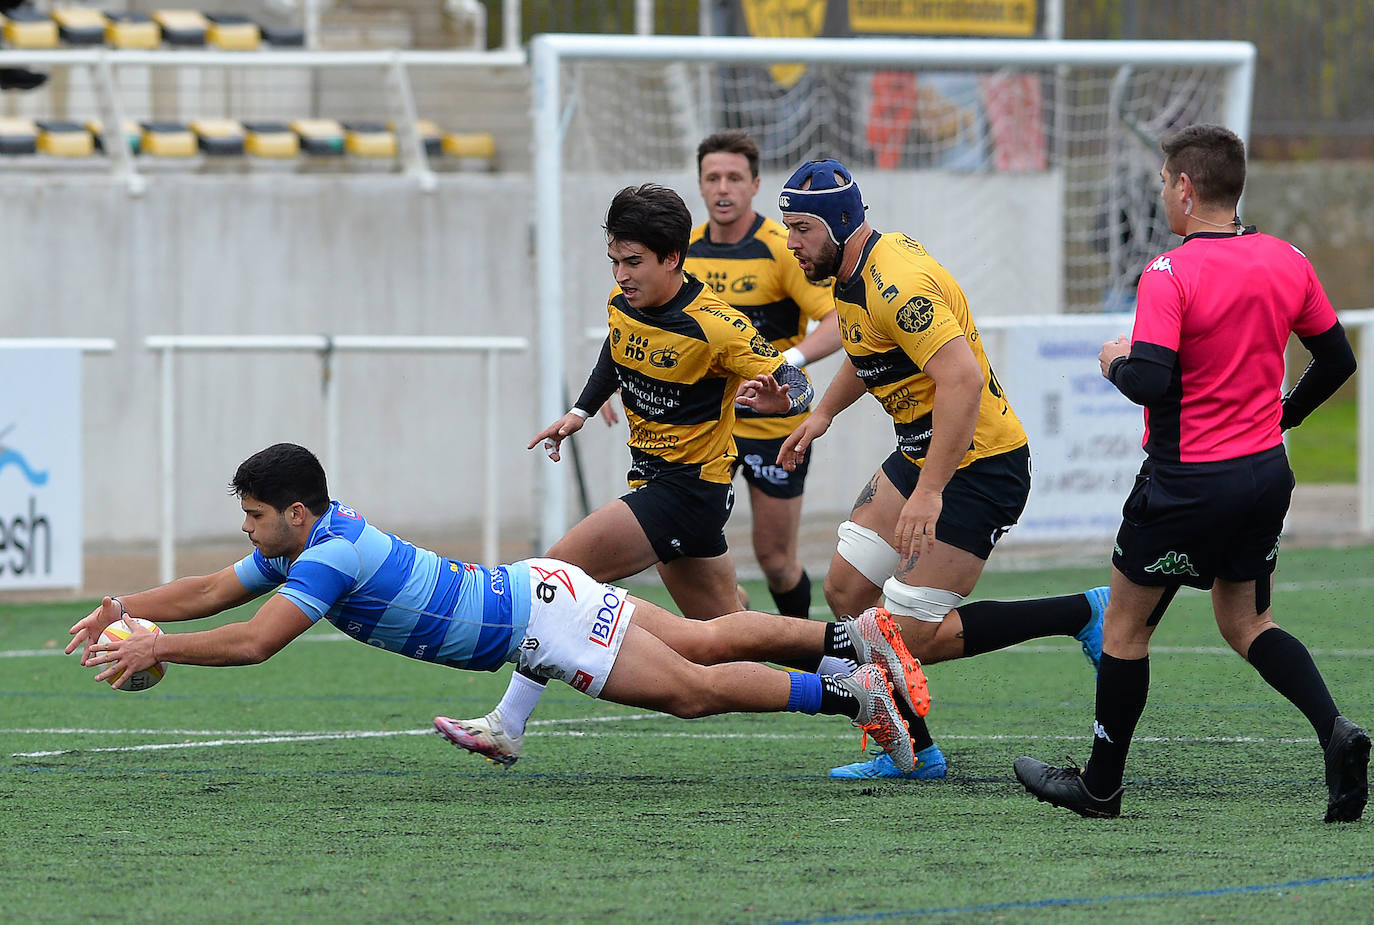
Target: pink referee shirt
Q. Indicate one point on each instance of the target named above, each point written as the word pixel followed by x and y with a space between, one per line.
pixel 1225 303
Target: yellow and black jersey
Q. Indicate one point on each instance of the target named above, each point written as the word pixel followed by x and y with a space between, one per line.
pixel 678 367
pixel 759 276
pixel 896 311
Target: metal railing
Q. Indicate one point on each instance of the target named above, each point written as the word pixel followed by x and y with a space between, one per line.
pixel 167 346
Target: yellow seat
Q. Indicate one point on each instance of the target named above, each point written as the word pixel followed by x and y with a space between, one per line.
pixel 65 139
pixel 133 135
pixel 271 139
pixel 27 29
pixel 471 146
pixel 369 139
pixel 220 137
pixel 232 32
pixel 185 28
pixel 80 25
pixel 168 139
pixel 18 136
pixel 132 30
pixel 320 137
pixel 431 138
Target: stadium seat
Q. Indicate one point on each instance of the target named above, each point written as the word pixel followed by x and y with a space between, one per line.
pixel 431 139
pixel 167 139
pixel 233 32
pixel 283 36
pixel 65 139
pixel 18 136
pixel 220 137
pixel 133 135
pixel 270 139
pixel 27 29
pixel 183 28
pixel 80 25
pixel 369 139
pixel 477 148
pixel 132 30
pixel 320 137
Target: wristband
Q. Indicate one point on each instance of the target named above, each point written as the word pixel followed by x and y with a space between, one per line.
pixel 122 611
pixel 580 413
pixel 795 357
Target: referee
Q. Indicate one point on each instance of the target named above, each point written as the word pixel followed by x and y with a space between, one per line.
pixel 1213 317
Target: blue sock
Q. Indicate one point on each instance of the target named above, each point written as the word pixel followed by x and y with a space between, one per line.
pixel 805 696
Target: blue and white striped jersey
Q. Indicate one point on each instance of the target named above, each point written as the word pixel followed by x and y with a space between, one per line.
pixel 386 592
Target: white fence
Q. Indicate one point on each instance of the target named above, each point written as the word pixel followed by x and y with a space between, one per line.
pixel 168 346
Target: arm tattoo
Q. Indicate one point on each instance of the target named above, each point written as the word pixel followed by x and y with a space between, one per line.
pixel 869 492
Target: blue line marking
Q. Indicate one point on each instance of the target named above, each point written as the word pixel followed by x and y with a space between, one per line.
pixel 1079 901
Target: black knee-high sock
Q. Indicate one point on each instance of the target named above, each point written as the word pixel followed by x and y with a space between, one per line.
pixel 991 625
pixel 795 602
pixel 1122 686
pixel 1286 665
pixel 920 732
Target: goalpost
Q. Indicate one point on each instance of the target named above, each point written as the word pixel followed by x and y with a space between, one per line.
pixel 1027 167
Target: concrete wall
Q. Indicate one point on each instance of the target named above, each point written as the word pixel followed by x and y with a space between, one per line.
pixel 375 255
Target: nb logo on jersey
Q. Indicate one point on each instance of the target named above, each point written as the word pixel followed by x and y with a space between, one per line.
pixel 635 345
pixel 1173 563
pixel 1162 263
pixel 1100 733
pixel 716 280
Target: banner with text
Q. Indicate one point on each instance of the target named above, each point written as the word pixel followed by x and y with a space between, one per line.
pixel 1084 434
pixel 40 469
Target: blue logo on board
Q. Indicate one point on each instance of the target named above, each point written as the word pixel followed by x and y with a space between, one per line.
pixel 10 456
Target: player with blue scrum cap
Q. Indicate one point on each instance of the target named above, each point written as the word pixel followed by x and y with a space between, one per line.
pixel 925 523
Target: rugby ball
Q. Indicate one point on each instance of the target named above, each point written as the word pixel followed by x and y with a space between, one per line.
pixel 140 680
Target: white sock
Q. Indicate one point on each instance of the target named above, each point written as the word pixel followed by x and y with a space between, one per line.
pixel 521 697
pixel 830 664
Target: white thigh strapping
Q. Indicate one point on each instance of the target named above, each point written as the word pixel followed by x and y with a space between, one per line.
pixel 869 553
pixel 929 605
pixel 576 626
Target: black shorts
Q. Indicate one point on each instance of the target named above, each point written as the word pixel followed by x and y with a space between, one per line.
pixel 759 459
pixel 981 502
pixel 682 515
pixel 1191 523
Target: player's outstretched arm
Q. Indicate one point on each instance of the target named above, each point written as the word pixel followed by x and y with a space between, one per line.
pixel 554 435
pixel 184 599
pixel 249 642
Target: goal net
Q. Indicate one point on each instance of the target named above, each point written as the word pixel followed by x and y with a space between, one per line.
pixel 1028 168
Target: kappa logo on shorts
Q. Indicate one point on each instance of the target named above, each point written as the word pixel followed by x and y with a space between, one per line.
pixel 582 681
pixel 1274 553
pixel 1173 563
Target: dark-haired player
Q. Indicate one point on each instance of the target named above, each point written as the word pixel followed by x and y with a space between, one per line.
pixel 678 354
pixel 1212 320
pixel 546 616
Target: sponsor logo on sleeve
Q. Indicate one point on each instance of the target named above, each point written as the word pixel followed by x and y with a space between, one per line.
pixel 916 315
pixel 1162 263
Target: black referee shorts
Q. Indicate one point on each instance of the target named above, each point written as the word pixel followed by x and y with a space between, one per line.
pixel 1192 523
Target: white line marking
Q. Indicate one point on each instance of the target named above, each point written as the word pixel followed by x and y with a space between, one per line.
pixel 252 737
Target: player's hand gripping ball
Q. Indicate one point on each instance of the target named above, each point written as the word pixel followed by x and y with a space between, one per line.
pixel 139 680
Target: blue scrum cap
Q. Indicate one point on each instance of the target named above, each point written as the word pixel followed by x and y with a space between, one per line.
pixel 833 197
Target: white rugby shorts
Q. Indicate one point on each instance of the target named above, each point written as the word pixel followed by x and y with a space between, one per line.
pixel 576 626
